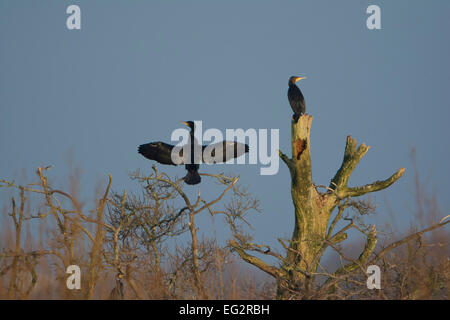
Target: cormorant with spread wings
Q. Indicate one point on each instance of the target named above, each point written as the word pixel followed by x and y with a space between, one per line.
pixel 216 153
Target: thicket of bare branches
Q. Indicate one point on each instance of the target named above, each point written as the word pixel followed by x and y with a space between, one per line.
pixel 129 246
pixel 148 246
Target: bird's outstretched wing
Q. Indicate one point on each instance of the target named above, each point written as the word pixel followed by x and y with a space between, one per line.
pixel 223 151
pixel 161 152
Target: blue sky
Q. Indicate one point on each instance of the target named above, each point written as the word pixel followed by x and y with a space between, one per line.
pixel 138 68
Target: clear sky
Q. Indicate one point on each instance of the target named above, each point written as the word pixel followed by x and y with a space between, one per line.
pixel 138 68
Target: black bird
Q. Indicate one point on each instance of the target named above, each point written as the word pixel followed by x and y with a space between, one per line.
pixel 192 166
pixel 296 98
pixel 211 154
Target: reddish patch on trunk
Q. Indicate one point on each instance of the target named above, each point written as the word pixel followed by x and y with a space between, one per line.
pixel 320 200
pixel 300 146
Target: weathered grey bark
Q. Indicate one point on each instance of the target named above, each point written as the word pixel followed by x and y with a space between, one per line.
pixel 313 209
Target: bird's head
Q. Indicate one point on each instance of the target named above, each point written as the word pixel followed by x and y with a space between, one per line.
pixel 294 79
pixel 190 124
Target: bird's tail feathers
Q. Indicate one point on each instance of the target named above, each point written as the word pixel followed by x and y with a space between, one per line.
pixel 192 177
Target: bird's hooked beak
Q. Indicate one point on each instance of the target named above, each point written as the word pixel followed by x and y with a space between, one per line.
pixel 185 123
pixel 299 78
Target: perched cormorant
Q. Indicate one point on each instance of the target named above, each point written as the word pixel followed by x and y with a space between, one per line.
pixel 211 154
pixel 296 98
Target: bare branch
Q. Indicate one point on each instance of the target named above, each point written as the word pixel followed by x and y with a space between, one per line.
pixel 352 156
pixel 274 272
pixel 375 186
pixel 413 236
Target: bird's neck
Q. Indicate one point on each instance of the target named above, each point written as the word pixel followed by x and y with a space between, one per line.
pixel 192 139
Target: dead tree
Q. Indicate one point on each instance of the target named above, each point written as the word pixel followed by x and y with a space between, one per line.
pixel 314 229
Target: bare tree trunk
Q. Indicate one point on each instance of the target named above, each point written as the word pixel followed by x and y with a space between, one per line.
pixel 18 218
pixel 195 261
pixel 313 232
pixel 95 265
pixel 313 209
